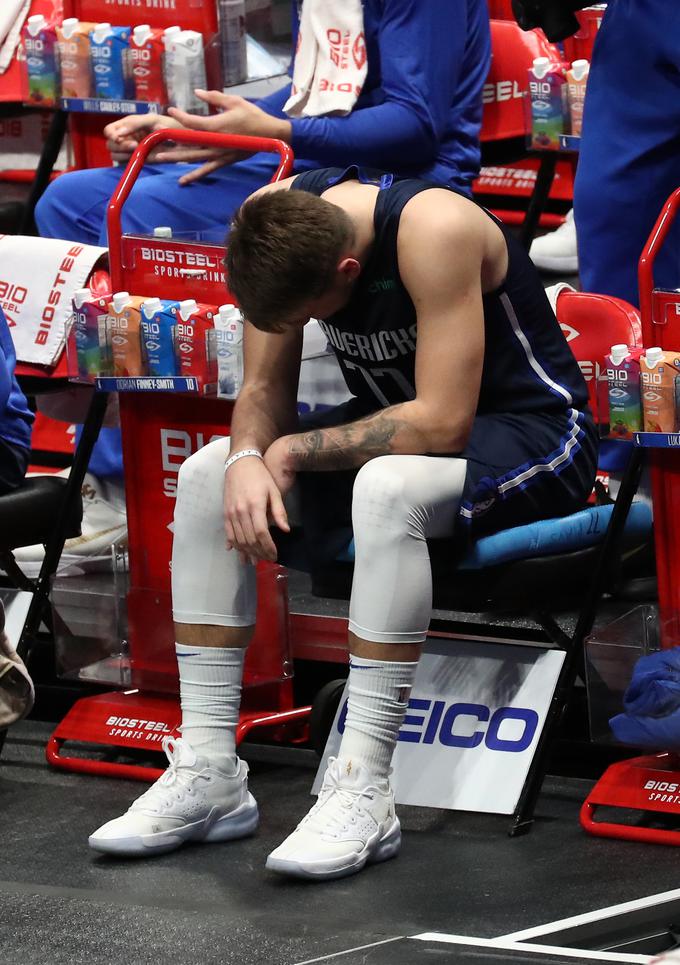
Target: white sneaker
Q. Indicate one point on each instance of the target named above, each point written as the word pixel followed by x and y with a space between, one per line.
pixel 352 823
pixel 104 523
pixel 556 251
pixel 191 801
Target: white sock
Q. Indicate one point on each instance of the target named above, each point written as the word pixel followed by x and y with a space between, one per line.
pixel 378 697
pixel 210 691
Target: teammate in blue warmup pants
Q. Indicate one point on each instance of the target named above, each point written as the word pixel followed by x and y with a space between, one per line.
pixel 630 152
pixel 419 113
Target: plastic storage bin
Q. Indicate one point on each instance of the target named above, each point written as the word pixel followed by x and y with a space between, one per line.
pixel 90 625
pixel 611 653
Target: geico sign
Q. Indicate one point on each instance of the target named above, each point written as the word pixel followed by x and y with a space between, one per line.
pixel 502 90
pixel 465 725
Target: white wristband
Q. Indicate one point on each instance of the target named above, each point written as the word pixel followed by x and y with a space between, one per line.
pixel 240 455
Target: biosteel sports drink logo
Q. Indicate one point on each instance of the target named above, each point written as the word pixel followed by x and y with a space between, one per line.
pixel 13 296
pixel 169 262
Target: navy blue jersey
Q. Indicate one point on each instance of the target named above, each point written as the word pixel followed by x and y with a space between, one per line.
pixel 533 436
pixel 528 366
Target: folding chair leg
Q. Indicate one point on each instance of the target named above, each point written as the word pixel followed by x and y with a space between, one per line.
pixel 524 814
pixel 55 545
pixel 539 197
pixel 48 158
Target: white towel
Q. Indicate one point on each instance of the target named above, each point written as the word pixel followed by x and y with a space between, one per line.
pixel 330 61
pixel 12 19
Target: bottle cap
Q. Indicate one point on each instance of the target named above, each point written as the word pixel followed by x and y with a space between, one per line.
pixel 151 306
pixel 68 26
pixel 120 300
pixel 81 296
pixel 580 69
pixel 226 312
pixel 171 32
pixel 101 32
pixel 162 231
pixel 653 356
pixel 618 353
pixel 541 66
pixel 187 308
pixel 141 33
pixel 36 24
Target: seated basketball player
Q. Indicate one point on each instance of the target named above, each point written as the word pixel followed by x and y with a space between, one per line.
pixel 469 415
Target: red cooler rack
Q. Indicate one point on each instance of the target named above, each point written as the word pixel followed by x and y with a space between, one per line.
pixel 652 782
pixel 160 430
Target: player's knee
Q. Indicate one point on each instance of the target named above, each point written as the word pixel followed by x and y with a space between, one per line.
pixel 382 507
pixel 56 195
pixel 203 470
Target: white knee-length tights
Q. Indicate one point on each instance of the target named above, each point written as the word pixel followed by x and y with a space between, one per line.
pixel 398 503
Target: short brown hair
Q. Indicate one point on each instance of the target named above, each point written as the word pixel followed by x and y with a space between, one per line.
pixel 282 250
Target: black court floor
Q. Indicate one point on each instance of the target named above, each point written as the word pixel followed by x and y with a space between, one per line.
pixel 458 874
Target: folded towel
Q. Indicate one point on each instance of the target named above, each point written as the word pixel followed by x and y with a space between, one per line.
pixel 13 13
pixel 654 690
pixel 330 61
pixel 655 733
pixel 652 703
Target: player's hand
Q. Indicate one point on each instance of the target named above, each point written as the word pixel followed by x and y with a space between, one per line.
pixel 277 461
pixel 123 135
pixel 252 501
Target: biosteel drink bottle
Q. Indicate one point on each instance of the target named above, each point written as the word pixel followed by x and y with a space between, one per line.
pixel 577 78
pixel 548 93
pixel 75 62
pixel 229 341
pixel 89 326
pixel 185 71
pixel 659 371
pixel 110 48
pixel 40 44
pixel 232 20
pixel 169 71
pixel 625 400
pixel 195 343
pixel 146 57
pixel 124 331
pixel 158 334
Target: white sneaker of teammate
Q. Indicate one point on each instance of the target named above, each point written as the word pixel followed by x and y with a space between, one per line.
pixel 352 823
pixel 104 523
pixel 556 251
pixel 191 801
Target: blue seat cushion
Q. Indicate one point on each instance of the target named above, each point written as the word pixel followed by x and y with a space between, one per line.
pixel 547 537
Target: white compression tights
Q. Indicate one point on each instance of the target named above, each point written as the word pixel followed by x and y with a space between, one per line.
pixel 398 503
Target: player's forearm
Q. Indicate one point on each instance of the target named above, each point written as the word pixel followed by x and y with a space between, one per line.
pixel 259 418
pixel 398 430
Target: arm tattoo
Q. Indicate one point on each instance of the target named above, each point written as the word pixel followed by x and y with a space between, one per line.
pixel 351 445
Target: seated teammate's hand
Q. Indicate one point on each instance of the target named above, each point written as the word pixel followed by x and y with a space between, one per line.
pixel 236 116
pixel 252 501
pixel 123 135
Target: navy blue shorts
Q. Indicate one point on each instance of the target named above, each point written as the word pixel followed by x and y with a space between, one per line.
pixel 521 468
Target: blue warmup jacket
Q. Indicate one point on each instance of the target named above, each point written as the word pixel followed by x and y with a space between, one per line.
pixel 420 109
pixel 16 418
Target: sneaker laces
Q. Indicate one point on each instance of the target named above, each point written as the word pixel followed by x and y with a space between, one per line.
pixel 346 798
pixel 173 784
